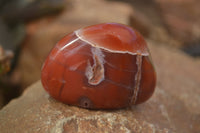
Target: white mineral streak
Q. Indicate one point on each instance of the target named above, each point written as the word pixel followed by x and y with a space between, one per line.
pixel 95 73
pixel 137 78
pixel 66 45
pixel 77 32
pixel 69 43
pixel 88 71
pixel 73 51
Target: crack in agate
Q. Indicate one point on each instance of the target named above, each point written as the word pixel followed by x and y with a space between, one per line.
pixel 95 72
pixel 117 68
pixel 137 78
pixel 118 84
pixel 77 33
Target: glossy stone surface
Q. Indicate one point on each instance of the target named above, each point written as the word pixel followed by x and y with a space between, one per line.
pixel 104 66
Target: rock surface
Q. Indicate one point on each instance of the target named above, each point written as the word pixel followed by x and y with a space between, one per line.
pixel 181 18
pixel 40 113
pixel 1 99
pixel 174 107
pixel 23 10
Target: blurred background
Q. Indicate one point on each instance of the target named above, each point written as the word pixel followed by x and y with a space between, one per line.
pixel 30 28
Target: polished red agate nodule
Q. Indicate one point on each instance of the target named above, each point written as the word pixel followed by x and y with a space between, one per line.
pixel 104 66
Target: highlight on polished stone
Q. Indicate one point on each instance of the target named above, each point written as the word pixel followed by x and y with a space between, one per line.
pixel 104 66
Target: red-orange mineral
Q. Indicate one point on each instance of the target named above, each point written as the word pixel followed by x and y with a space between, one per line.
pixel 104 66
